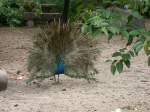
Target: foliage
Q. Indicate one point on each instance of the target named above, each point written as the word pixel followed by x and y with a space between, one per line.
pixel 79 6
pixel 104 21
pixel 98 22
pixel 57 45
pixel 31 6
pixel 124 56
pixel 10 12
pixel 76 6
pixel 142 6
pixel 59 3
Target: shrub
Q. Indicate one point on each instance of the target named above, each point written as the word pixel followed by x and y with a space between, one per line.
pixel 128 25
pixel 142 6
pixel 10 13
pixel 104 21
pixel 31 6
pixel 123 57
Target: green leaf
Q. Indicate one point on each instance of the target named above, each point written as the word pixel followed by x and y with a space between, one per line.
pixel 138 46
pixel 126 56
pixel 105 31
pixel 148 43
pixel 137 49
pixel 125 34
pixel 146 33
pixel 29 81
pixel 119 66
pixel 130 18
pixel 107 14
pixel 127 63
pixel 116 54
pixel 130 40
pixel 113 69
pixel 131 53
pixel 84 28
pixel 136 14
pixel 96 33
pixel 148 53
pixel 90 29
pixel 134 33
pixel 114 30
pixel 123 49
pixel 108 60
pixel 110 36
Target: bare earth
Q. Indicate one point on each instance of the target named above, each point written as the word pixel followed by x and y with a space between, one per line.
pixel 130 90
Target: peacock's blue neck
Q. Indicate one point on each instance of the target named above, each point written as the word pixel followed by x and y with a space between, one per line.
pixel 59 64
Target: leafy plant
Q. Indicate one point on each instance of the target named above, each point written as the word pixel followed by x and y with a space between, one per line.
pixel 142 6
pixel 104 21
pixel 10 13
pixel 79 6
pixel 31 6
pixel 124 56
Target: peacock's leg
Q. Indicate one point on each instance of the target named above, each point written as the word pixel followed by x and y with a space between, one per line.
pixel 55 78
pixel 58 78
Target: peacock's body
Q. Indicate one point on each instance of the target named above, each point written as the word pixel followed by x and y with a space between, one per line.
pixel 57 49
pixel 60 66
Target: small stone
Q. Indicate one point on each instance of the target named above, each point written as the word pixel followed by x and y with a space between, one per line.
pixel 16 105
pixel 3 79
pixel 64 89
pixel 144 81
pixel 18 72
pixel 103 102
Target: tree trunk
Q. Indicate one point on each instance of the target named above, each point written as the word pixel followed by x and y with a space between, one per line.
pixel 65 11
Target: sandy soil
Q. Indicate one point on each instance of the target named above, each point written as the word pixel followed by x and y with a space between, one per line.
pixel 130 90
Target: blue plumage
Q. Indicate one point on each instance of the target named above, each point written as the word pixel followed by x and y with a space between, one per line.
pixel 60 68
pixel 60 65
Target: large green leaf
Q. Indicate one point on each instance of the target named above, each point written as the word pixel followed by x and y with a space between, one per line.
pixel 126 56
pixel 138 46
pixel 105 31
pixel 113 69
pixel 127 63
pixel 125 34
pixel 114 30
pixel 116 54
pixel 130 40
pixel 119 66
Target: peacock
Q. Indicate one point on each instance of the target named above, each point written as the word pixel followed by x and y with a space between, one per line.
pixel 61 49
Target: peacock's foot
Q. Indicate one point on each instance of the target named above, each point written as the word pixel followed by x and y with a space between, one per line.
pixel 56 83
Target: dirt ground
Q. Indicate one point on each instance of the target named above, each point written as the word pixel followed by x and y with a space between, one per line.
pixel 130 90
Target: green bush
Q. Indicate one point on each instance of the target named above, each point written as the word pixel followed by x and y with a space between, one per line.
pixel 142 6
pixel 123 57
pixel 10 13
pixel 104 21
